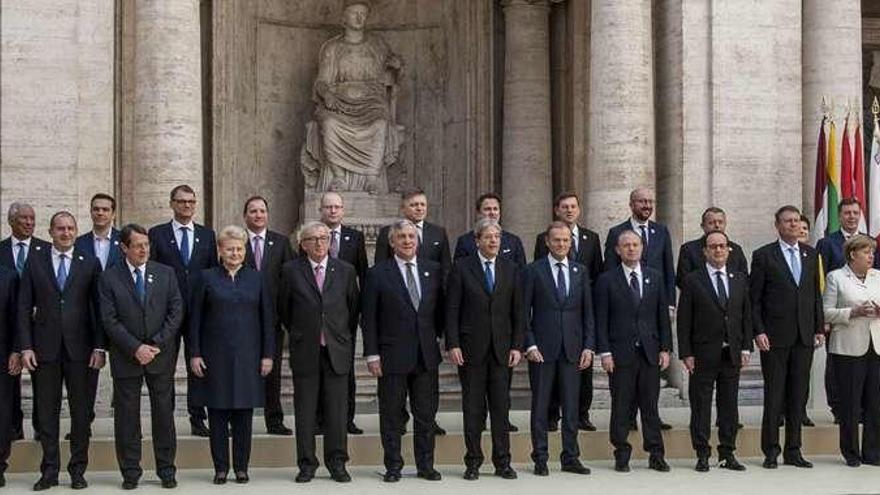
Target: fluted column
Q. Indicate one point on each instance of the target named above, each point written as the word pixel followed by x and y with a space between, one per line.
pixel 832 66
pixel 527 178
pixel 166 112
pixel 621 155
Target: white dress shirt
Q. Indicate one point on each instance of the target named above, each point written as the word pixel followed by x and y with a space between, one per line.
pixel 262 234
pixel 56 260
pixel 401 265
pixel 555 271
pixel 575 237
pixel 131 269
pixel 483 261
pixel 636 226
pixel 16 247
pixel 785 253
pixel 191 234
pixel 627 273
pixel 714 278
pixel 101 246
pixel 322 264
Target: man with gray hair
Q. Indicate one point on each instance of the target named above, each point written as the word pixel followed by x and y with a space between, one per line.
pixel 402 319
pixel 15 252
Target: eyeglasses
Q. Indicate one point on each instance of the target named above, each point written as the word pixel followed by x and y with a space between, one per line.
pixel 716 246
pixel 322 239
pixel 185 201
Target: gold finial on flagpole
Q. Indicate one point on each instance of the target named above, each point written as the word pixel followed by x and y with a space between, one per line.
pixel 826 108
pixel 875 107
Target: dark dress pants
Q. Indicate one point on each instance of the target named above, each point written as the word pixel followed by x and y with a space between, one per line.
pixel 7 384
pixel 635 387
pixel 421 386
pixel 196 413
pixel 352 388
pixel 50 378
pixel 93 395
pixel 17 417
pixel 273 412
pixel 721 377
pixel 127 425
pixel 858 383
pixel 831 381
pixel 786 372
pixel 221 421
pixel 484 383
pixel 543 377
pixel 585 399
pixel 329 390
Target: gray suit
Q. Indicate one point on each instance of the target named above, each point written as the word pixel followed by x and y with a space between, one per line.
pixel 130 323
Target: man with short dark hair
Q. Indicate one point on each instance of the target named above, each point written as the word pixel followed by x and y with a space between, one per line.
pixel 141 311
pixel 267 251
pixel 489 206
pixel 189 248
pixel 691 255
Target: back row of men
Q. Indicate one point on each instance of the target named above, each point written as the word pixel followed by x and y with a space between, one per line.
pixel 578 303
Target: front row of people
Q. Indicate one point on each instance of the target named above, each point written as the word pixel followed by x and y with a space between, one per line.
pixel 491 314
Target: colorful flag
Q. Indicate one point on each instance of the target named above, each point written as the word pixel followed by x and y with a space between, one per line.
pixel 846 162
pixel 820 191
pixel 833 174
pixel 874 182
pixel 859 176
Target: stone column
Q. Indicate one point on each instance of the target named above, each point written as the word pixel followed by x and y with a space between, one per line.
pixel 527 174
pixel 621 144
pixel 832 66
pixel 166 113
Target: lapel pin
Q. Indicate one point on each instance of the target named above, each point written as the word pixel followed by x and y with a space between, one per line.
pixel 347 238
pixel 647 281
pixel 436 243
pixel 730 275
pixel 653 231
pixel 197 239
pixel 574 269
pixel 427 274
pixel 38 248
pixel 804 254
pixel 80 258
pixel 115 243
pixel 506 250
pixel 173 241
pixel 271 243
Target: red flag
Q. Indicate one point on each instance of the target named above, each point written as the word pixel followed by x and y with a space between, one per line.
pixel 859 169
pixel 846 163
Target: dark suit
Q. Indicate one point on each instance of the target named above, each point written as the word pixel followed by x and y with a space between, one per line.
pixel 320 371
pixel 60 325
pixel 790 314
pixel 691 258
pixel 485 326
pixel 129 323
pixel 164 249
pixel 657 254
pixel 232 327
pixel 589 254
pixel 715 335
pixel 433 246
pixel 276 252
pixel 561 330
pixel 511 247
pixel 405 338
pixel 8 260
pixel 634 331
pixel 8 290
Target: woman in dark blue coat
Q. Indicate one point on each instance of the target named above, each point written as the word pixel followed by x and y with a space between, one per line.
pixel 231 340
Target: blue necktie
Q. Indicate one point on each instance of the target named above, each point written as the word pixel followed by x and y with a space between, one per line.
pixel 561 291
pixel 184 245
pixel 62 271
pixel 634 285
pixel 21 257
pixel 490 278
pixel 795 265
pixel 644 236
pixel 139 286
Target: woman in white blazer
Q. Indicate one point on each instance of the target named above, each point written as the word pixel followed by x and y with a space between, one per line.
pixel 852 307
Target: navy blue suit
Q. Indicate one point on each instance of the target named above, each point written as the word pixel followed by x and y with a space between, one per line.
pixel 8 289
pixel 511 247
pixel 561 330
pixel 657 255
pixel 634 330
pixel 86 244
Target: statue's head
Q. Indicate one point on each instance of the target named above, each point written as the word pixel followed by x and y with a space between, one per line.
pixel 354 15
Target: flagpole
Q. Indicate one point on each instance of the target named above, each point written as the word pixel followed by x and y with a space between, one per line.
pixel 873 170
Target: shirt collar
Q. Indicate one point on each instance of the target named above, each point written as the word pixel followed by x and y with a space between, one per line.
pixel 553 261
pixel 177 225
pixel 420 225
pixel 56 253
pixel 628 271
pixel 252 234
pixel 322 263
pixel 337 229
pixel 131 267
pixel 575 230
pixel 402 263
pixel 484 259
pixel 785 246
pixel 15 241
pixel 712 270
pixel 99 237
pixel 636 224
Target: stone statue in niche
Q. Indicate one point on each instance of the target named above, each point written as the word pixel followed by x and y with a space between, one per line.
pixel 355 136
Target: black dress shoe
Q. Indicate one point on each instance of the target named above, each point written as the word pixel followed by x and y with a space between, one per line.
pixel 319 430
pixel 471 474
pixel 45 484
pixel 770 463
pixel 129 484
pixel 553 426
pixel 798 461
pixel 836 420
pixel 78 482
pixel 633 426
pixel 220 478
pixel 657 463
pixel 586 425
pixel 807 422
pixel 16 434
pixel 2 480
pixel 871 462
pixel 781 422
pixel 739 426
pixel 279 430
pixel 67 436
pixel 169 483
pixel 340 475
pixel 391 476
pixel 665 426
pixel 853 462
pixel 506 472
pixel 621 466
pixel 429 474
pixel 241 477
pixel 512 428
pixel 575 467
pixel 354 430
pixel 436 430
pixel 731 463
pixel 702 465
pixel 304 476
pixel 541 469
pixel 198 428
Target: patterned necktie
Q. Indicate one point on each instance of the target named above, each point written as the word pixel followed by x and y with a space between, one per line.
pixel 184 245
pixel 795 265
pixel 62 271
pixel 319 281
pixel 258 251
pixel 139 286
pixel 722 291
pixel 644 236
pixel 561 290
pixel 21 257
pixel 573 252
pixel 334 244
pixel 490 277
pixel 412 287
pixel 634 285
